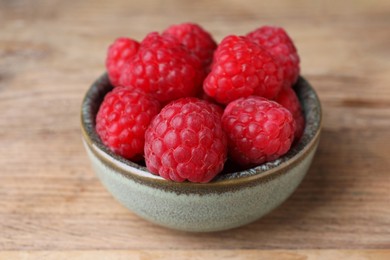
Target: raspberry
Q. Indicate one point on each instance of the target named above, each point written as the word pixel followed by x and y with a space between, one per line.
pixel 119 53
pixel 122 119
pixel 288 99
pixel 196 39
pixel 242 68
pixel 258 130
pixel 280 45
pixel 155 41
pixel 163 68
pixel 185 141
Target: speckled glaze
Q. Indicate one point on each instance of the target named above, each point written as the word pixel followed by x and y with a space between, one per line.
pixel 232 199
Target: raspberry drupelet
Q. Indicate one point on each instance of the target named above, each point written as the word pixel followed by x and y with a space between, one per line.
pixel 288 99
pixel 119 53
pixel 242 68
pixel 258 130
pixel 164 68
pixel 196 39
pixel 277 42
pixel 185 141
pixel 122 120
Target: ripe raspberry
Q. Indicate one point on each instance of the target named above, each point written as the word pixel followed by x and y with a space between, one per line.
pixel 119 53
pixel 258 130
pixel 288 99
pixel 185 141
pixel 122 120
pixel 163 68
pixel 196 39
pixel 280 45
pixel 242 68
pixel 154 40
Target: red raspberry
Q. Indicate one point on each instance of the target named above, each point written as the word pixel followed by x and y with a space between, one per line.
pixel 258 130
pixel 119 53
pixel 123 118
pixel 196 39
pixel 164 68
pixel 154 40
pixel 185 141
pixel 289 100
pixel 280 45
pixel 242 68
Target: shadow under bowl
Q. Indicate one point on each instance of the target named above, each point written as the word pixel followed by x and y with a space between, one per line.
pixel 232 199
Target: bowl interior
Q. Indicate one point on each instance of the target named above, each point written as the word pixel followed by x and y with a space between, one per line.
pixel 305 93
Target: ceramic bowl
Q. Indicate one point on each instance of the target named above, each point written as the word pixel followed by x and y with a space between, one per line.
pixel 232 199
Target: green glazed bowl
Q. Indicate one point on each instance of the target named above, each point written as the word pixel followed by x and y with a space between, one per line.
pixel 232 199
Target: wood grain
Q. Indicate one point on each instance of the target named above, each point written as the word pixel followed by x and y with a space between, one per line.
pixel 202 254
pixel 52 203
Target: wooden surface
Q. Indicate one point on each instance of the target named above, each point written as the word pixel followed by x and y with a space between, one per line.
pixel 53 206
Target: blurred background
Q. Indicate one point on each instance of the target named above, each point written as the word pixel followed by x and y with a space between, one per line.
pixel 52 50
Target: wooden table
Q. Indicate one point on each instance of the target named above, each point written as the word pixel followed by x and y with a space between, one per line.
pixel 53 206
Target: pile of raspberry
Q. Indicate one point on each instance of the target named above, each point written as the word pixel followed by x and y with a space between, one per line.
pixel 185 104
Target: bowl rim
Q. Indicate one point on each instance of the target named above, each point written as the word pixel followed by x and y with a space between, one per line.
pixel 138 173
